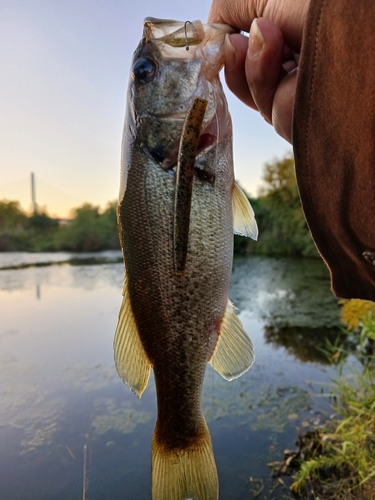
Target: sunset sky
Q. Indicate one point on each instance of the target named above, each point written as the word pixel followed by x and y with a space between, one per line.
pixel 63 79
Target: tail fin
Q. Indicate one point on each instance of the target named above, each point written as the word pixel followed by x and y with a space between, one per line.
pixel 184 474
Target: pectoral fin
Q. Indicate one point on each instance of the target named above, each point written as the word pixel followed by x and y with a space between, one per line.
pixel 132 363
pixel 234 352
pixel 244 222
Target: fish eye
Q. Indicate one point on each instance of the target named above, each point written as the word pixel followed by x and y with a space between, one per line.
pixel 144 70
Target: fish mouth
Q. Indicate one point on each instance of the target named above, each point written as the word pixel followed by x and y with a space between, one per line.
pixel 212 134
pixel 207 140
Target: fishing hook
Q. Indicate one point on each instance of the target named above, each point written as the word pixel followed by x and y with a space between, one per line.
pixel 186 37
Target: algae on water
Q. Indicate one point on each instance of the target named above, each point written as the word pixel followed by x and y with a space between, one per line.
pixel 276 418
pixel 123 418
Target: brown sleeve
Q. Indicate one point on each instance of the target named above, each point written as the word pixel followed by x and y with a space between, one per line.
pixel 334 140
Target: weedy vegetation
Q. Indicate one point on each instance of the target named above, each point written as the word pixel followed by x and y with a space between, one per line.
pixel 337 461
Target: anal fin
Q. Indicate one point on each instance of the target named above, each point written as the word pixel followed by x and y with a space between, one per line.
pixel 234 352
pixel 244 222
pixel 132 363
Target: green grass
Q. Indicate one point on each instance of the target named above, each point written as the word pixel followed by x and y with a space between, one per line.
pixel 340 463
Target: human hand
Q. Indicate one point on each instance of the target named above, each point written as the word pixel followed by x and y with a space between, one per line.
pixel 261 69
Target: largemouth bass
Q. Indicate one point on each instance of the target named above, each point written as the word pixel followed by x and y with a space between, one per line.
pixel 175 316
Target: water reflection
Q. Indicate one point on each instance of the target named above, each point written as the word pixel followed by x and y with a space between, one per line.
pixel 285 292
pixel 59 389
pixel 87 277
pixel 306 344
pixel 19 260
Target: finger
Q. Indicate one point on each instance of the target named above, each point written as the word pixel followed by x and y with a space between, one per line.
pixel 236 13
pixel 271 86
pixel 282 112
pixel 263 64
pixel 236 47
pixel 290 16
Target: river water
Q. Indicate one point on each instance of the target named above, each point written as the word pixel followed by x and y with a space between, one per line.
pixel 63 409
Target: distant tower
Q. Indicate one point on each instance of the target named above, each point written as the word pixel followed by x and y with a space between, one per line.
pixel 33 197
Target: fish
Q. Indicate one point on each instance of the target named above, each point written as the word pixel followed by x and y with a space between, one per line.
pixel 175 315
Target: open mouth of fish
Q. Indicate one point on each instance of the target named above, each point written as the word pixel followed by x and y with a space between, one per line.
pixel 207 140
pixel 212 133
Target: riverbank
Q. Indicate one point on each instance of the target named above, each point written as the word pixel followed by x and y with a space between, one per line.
pixel 337 459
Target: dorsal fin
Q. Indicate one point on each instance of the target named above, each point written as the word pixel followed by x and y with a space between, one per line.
pixel 132 363
pixel 244 222
pixel 234 352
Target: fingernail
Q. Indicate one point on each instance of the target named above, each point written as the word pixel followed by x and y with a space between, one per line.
pixel 256 40
pixel 230 54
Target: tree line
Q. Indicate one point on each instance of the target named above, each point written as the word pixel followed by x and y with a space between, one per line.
pixel 89 230
pixel 278 211
pixel 282 227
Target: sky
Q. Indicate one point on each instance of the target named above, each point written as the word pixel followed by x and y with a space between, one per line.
pixel 64 70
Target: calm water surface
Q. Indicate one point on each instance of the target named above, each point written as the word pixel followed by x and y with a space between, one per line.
pixel 60 394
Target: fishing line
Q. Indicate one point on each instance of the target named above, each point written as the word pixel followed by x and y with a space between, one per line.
pixel 211 282
pixel 217 135
pixel 212 394
pixel 85 473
